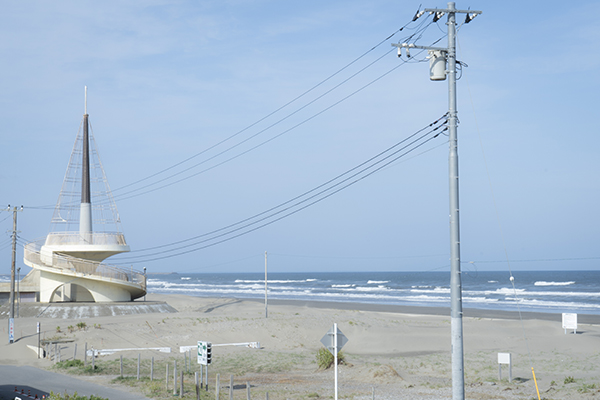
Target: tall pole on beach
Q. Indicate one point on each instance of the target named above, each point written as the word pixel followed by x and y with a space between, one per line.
pixel 266 307
pixel 446 57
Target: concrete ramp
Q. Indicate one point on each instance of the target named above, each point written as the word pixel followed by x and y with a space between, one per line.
pixel 87 310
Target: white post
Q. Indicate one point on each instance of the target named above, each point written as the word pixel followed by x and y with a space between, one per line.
pixel 335 358
pixel 266 311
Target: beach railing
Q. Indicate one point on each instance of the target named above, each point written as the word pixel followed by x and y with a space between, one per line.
pixel 80 265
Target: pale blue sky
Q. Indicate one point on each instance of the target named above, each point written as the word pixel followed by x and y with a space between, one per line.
pixel 169 79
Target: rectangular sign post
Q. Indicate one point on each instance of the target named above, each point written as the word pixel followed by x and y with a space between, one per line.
pixel 202 353
pixel 569 321
pixel 334 340
pixel 504 358
pixel 11 330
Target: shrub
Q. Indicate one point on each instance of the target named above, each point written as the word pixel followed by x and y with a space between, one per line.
pixel 69 364
pixel 325 358
pixel 569 379
pixel 74 396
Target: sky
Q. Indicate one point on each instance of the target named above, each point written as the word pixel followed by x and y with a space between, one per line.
pixel 168 80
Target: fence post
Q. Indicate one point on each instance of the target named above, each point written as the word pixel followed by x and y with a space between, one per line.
pixel 85 356
pixel 175 378
pixel 152 369
pixel 372 392
pixel 75 352
pixel 121 365
pixel 267 395
pixel 217 387
pixel 181 387
pixel 138 371
pixel 247 391
pixel 197 385
pixel 231 387
pixel 93 360
pixel 167 378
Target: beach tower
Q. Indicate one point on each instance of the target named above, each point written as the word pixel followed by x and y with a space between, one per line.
pixel 85 231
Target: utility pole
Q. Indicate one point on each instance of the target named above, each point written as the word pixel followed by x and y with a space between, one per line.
pixel 266 309
pixel 13 262
pixel 11 317
pixel 437 57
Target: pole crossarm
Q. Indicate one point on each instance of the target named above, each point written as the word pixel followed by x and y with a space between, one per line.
pixel 448 11
pixel 412 46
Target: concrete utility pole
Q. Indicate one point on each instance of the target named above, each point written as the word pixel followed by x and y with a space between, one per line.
pixel 449 55
pixel 13 262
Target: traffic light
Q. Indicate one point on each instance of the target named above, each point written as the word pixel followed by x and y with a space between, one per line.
pixel 208 353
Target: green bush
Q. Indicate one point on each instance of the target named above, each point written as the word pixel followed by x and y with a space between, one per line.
pixel 325 358
pixel 74 396
pixel 69 364
pixel 569 379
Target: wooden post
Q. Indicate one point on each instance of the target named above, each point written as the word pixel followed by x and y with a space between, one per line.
pixel 217 387
pixel 175 378
pixel 267 394
pixel 138 371
pixel 197 385
pixel 167 379
pixel 372 392
pixel 152 369
pixel 93 360
pixel 121 365
pixel 247 391
pixel 231 387
pixel 85 356
pixel 181 387
pixel 75 352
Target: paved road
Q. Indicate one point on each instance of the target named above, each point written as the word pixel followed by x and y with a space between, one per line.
pixel 42 382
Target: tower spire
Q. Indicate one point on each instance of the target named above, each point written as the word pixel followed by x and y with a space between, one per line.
pixel 85 212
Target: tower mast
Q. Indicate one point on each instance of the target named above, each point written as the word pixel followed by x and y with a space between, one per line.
pixel 85 212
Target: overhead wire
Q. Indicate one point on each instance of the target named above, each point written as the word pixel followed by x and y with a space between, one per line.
pixel 279 108
pixel 418 32
pixel 325 190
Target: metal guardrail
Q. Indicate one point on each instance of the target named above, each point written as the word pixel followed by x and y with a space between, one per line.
pixel 105 238
pixel 86 267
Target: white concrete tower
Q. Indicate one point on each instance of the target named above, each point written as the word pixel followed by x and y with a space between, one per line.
pixel 70 259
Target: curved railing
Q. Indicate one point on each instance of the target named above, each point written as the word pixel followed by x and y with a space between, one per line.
pixel 32 254
pixel 95 238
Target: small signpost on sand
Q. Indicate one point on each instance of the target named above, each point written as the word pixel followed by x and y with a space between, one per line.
pixel 504 358
pixel 569 321
pixel 334 340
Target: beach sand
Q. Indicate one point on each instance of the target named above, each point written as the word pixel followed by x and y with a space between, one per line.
pixel 397 352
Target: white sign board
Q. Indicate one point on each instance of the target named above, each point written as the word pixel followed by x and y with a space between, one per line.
pixel 503 358
pixel 202 353
pixel 569 321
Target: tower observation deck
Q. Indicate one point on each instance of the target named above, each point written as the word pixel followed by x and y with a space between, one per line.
pixel 85 231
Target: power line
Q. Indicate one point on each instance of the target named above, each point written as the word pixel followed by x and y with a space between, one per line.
pixel 321 195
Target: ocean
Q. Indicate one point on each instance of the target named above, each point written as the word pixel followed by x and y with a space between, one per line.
pixel 536 291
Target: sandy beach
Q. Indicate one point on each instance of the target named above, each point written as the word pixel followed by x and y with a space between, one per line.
pixel 392 351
